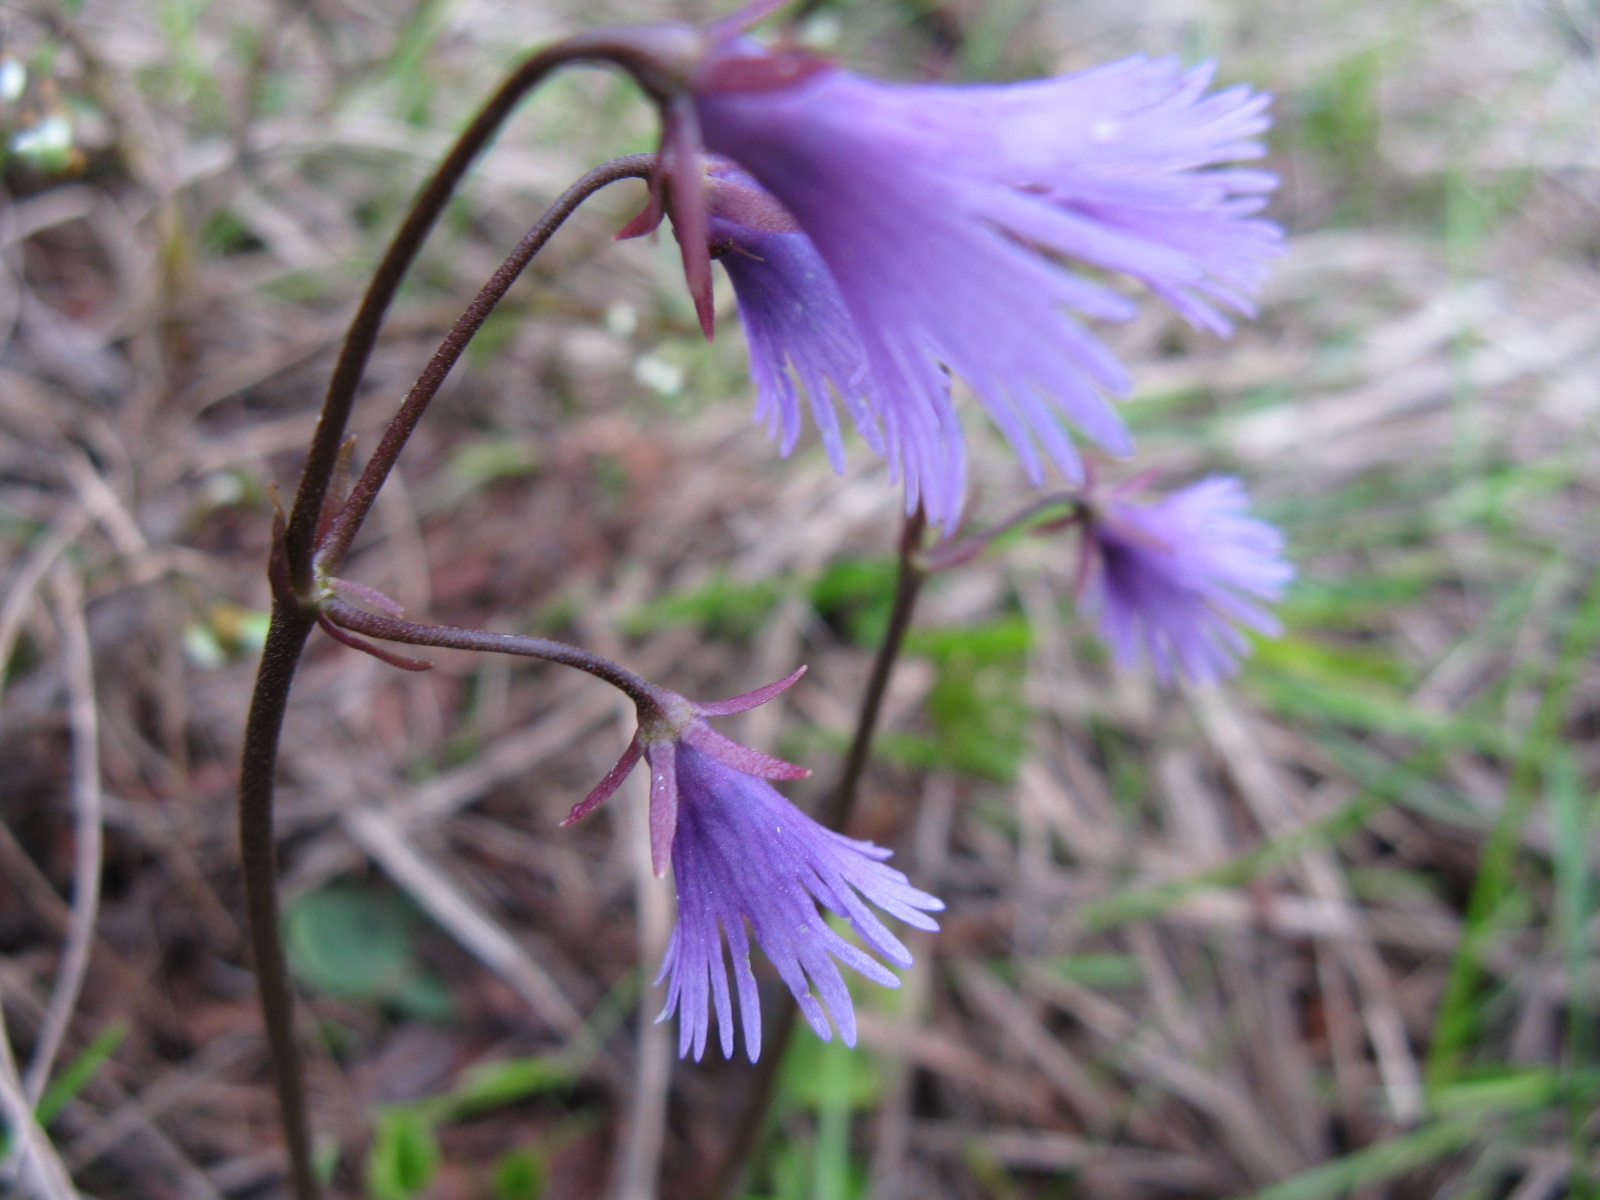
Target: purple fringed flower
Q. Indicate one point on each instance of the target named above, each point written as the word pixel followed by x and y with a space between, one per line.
pixel 794 319
pixel 932 209
pixel 742 853
pixel 1175 578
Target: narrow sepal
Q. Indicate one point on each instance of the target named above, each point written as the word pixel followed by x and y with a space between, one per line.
pixel 749 700
pixel 366 647
pixel 663 758
pixel 604 790
pixel 647 221
pixel 279 577
pixel 368 595
pixel 686 185
pixel 741 758
pixel 338 485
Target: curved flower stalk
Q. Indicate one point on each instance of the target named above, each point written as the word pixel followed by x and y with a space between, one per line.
pixel 742 854
pixel 1175 580
pixel 936 214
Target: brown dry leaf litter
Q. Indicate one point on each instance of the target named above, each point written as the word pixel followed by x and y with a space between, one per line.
pixel 1108 1003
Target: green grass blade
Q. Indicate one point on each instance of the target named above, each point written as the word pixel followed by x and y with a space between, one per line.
pixel 1456 1024
pixel 64 1089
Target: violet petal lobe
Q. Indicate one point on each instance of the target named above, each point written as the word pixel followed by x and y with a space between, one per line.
pixel 933 209
pixel 800 335
pixel 743 854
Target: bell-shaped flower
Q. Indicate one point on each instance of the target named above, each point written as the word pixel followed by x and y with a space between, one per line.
pixel 748 863
pixel 934 220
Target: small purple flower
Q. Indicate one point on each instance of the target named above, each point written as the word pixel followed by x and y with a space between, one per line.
pixel 1174 579
pixel 742 853
pixel 932 211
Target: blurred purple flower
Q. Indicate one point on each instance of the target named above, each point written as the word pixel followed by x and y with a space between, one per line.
pixel 741 852
pixel 1174 579
pixel 930 210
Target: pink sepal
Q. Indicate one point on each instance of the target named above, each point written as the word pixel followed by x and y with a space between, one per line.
pixel 741 758
pixel 663 758
pixel 749 700
pixel 607 786
pixel 686 188
pixel 366 647
pixel 649 217
pixel 370 596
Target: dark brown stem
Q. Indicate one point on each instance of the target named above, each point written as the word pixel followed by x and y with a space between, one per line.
pixel 336 544
pixel 258 856
pixel 835 814
pixel 660 59
pixel 841 805
pixel 648 53
pixel 394 629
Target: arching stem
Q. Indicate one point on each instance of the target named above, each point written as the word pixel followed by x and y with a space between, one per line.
pixel 649 54
pixel 336 543
pixel 412 633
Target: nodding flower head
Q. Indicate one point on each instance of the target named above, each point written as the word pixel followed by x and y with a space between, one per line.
pixel 747 862
pixel 926 228
pixel 1176 579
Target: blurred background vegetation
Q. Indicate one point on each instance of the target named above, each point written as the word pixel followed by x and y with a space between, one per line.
pixel 1327 931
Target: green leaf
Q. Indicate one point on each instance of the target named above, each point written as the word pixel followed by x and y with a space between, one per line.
pixel 854 596
pixel 1354 689
pixel 519 1175
pixel 1104 971
pixel 1459 1009
pixel 351 943
pixel 976 703
pixel 494 1085
pixel 815 1080
pixel 425 997
pixel 720 606
pixel 1378 1163
pixel 403 1158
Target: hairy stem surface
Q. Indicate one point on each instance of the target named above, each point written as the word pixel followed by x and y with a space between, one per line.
pixel 294 611
pixel 258 859
pixel 331 553
pixel 394 629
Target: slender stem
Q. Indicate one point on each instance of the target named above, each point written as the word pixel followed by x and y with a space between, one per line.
pixel 343 530
pixel 841 805
pixel 655 56
pixel 258 855
pixel 835 814
pixel 954 554
pixel 394 629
